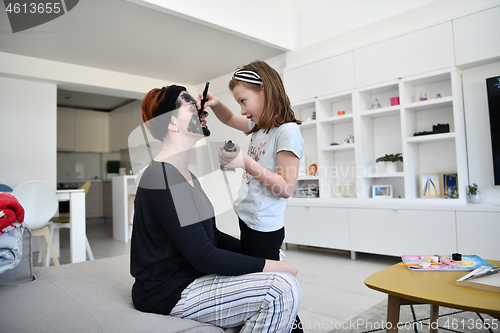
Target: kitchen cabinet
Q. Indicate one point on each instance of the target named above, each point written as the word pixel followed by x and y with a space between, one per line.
pixel 91 131
pixel 122 122
pixel 477 233
pixel 317 226
pixel 82 130
pixel 320 77
pixel 417 52
pixel 65 129
pixel 394 228
pixel 400 231
pixel 107 199
pixel 474 41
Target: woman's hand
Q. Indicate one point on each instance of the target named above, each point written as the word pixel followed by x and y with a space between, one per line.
pixel 280 266
pixel 232 160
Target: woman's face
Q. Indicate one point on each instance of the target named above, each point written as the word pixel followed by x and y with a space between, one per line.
pixel 189 118
pixel 250 101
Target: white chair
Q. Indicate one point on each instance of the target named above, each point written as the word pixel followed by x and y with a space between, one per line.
pixel 40 203
pixel 61 222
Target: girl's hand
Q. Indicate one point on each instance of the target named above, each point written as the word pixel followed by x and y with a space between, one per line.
pixel 280 266
pixel 232 160
pixel 211 100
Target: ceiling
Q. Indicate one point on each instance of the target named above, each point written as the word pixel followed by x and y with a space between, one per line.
pixel 96 102
pixel 120 36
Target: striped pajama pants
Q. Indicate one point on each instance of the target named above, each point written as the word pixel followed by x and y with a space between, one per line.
pixel 262 302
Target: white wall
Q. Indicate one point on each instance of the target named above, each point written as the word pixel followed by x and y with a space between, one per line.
pixel 28 133
pixel 361 33
pixel 478 130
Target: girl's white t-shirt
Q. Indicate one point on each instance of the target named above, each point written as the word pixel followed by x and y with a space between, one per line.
pixel 257 206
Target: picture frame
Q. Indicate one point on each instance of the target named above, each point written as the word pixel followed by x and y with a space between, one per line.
pixel 431 185
pixel 450 185
pixel 382 191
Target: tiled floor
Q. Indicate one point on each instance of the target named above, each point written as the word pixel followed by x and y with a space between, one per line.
pixel 331 283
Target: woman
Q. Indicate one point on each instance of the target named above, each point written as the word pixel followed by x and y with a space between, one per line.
pixel 183 266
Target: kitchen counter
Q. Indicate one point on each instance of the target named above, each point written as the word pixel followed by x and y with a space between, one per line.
pixel 98 201
pixel 123 188
pixel 83 181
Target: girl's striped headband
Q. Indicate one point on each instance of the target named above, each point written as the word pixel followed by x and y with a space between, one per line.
pixel 247 75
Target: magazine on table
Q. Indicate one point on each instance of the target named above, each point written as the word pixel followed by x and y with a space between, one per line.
pixel 443 263
pixel 483 278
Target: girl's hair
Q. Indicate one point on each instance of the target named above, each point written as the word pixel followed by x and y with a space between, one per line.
pixel 277 109
pixel 157 124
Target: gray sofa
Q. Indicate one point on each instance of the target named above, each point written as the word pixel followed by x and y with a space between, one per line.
pixel 92 296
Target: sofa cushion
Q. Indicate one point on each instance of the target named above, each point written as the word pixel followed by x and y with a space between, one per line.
pixel 92 296
pixel 23 272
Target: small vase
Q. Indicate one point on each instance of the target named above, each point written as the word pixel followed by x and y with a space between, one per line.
pixel 390 167
pixel 475 199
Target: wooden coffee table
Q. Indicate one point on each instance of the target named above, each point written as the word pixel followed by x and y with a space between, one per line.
pixel 435 288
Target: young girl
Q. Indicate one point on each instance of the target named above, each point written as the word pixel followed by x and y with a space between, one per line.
pixel 272 160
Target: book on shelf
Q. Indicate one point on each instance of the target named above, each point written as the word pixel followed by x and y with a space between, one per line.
pixel 483 278
pixel 443 263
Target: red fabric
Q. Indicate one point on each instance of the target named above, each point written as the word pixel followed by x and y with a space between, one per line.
pixel 12 209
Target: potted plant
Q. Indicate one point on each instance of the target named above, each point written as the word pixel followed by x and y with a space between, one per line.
pixel 473 192
pixel 390 160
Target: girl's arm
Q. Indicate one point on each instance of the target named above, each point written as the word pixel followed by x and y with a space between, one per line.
pixel 225 115
pixel 281 183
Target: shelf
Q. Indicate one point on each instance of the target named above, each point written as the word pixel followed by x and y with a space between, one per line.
pixel 308 178
pixel 445 102
pixel 445 77
pixel 371 203
pixel 431 138
pixel 304 106
pixel 385 130
pixel 336 98
pixel 304 110
pixel 347 146
pixel 385 175
pixel 298 197
pixel 308 124
pixel 381 90
pixel 347 118
pixel 383 112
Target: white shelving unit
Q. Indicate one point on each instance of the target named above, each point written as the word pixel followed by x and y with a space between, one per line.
pixel 387 129
pixel 402 66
